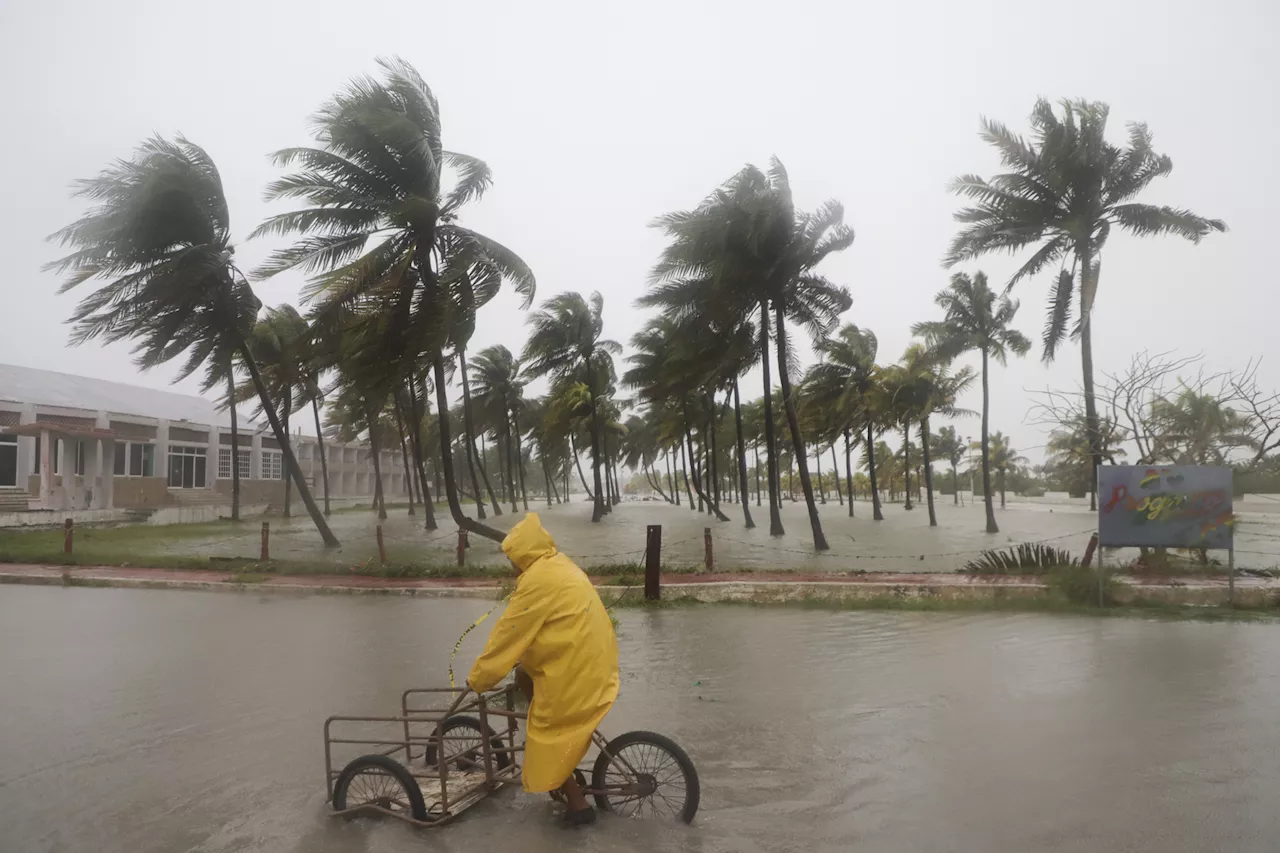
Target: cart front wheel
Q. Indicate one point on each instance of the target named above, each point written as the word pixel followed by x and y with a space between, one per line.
pixel 642 774
pixel 379 781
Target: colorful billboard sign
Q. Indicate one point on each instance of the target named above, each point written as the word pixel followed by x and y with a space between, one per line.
pixel 1176 506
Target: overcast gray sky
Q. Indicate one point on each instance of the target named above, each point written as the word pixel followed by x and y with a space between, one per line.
pixel 596 117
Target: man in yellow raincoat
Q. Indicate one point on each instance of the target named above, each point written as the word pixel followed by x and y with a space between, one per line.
pixel 558 630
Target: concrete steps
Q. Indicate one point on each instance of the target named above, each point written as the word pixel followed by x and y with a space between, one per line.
pixel 198 497
pixel 13 500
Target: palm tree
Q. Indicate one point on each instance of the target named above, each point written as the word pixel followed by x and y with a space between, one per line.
pixel 841 383
pixel 158 241
pixel 1069 456
pixel 923 385
pixel 676 368
pixel 281 343
pixel 951 448
pixel 380 225
pixel 747 248
pixel 880 457
pixel 500 391
pixel 1065 190
pixel 976 319
pixel 1197 429
pixel 1004 458
pixel 565 342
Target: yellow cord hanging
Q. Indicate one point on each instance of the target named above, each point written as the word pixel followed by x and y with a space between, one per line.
pixel 471 628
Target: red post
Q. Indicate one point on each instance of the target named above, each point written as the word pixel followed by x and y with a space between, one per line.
pixel 462 548
pixel 382 548
pixel 653 563
pixel 266 542
pixel 67 534
pixel 706 542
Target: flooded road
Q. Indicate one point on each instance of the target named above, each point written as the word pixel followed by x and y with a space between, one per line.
pixel 904 541
pixel 156 721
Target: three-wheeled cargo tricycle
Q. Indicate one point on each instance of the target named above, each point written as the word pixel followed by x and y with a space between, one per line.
pixel 448 748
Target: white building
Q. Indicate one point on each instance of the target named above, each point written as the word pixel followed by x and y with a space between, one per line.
pixel 71 443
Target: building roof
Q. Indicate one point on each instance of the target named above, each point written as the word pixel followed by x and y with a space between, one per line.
pixel 50 388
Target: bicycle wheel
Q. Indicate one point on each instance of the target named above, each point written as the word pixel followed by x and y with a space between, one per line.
pixel 464 747
pixel 642 774
pixel 377 780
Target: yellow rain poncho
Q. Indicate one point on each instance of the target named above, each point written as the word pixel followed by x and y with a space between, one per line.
pixel 557 628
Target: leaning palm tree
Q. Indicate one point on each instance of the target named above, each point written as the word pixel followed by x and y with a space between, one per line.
pixel 566 342
pixel 976 319
pixel 281 343
pixel 381 224
pixel 158 242
pixel 1066 189
pixel 842 382
pixel 747 248
pixel 923 385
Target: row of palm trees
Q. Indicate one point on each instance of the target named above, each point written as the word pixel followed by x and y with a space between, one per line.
pixel 396 284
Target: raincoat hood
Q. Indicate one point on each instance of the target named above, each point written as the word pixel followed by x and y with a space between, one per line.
pixel 528 542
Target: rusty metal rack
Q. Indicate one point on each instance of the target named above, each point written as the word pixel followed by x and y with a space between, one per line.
pixel 450 771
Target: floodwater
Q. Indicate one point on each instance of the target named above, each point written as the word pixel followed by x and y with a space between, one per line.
pixel 902 542
pixel 149 721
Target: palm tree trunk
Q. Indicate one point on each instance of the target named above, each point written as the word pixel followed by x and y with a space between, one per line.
pixel 698 486
pixel 672 483
pixel 524 492
pixel 797 440
pixel 1002 481
pixel 955 484
pixel 756 451
pixel 928 470
pixel 597 507
pixel 906 464
pixel 404 453
pixel 482 461
pixel 817 470
pixel 770 441
pixel 235 444
pixel 282 438
pixel 871 469
pixel 446 442
pixel 578 462
pixel 835 473
pixel 1088 287
pixel 742 459
pixel 848 469
pixel 469 436
pixel 419 458
pixel 713 455
pixel 992 527
pixel 511 464
pixel 684 463
pixel 288 485
pixel 375 450
pixel 551 480
pixel 324 457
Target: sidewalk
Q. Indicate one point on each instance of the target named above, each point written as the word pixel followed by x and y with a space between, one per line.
pixel 709 587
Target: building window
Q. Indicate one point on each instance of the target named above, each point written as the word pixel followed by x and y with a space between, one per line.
pixel 8 460
pixel 79 467
pixel 134 459
pixel 224 463
pixel 187 466
pixel 272 465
